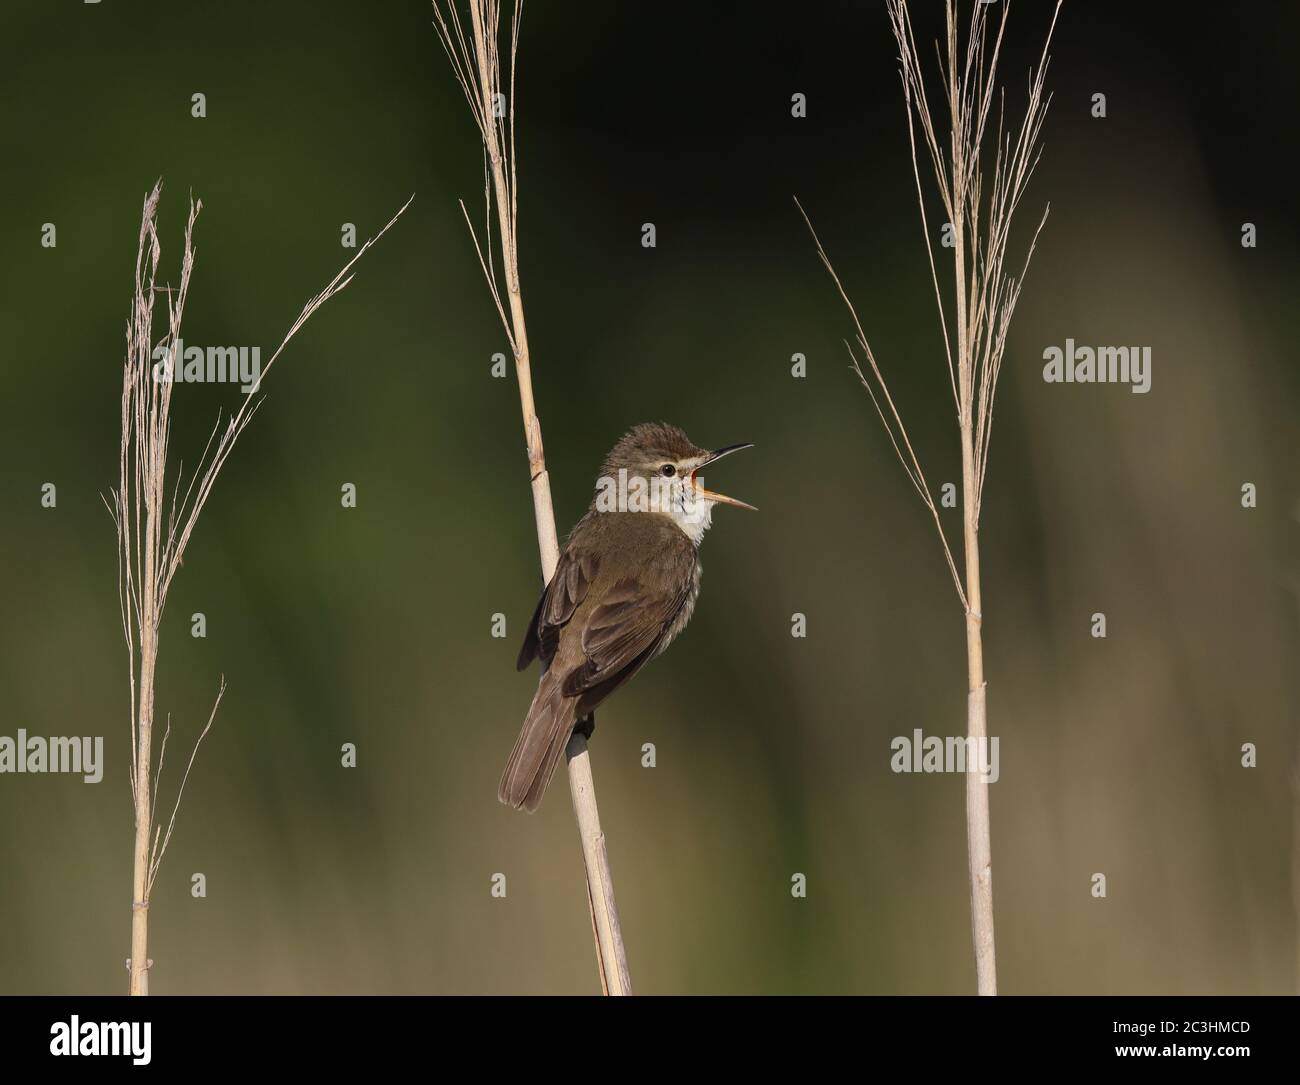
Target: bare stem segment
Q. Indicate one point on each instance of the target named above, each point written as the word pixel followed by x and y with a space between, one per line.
pixel 139 960
pixel 979 846
pixel 475 62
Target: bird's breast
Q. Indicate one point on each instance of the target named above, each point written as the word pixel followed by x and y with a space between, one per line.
pixel 688 608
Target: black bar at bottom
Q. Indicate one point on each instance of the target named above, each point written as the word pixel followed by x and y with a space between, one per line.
pixel 610 1036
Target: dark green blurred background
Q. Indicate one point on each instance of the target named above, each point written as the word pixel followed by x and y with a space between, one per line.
pixel 372 625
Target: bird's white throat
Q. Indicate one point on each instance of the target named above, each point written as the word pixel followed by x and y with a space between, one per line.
pixel 691 513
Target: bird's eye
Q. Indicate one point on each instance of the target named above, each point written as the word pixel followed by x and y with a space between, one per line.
pixel 668 470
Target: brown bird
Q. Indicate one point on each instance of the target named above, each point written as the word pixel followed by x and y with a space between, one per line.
pixel 625 586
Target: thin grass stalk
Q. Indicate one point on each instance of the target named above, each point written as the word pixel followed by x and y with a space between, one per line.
pixel 984 297
pixel 476 64
pixel 152 537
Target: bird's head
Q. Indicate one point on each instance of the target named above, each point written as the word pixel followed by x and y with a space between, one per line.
pixel 656 468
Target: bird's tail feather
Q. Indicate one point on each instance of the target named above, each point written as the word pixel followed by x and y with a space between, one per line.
pixel 541 743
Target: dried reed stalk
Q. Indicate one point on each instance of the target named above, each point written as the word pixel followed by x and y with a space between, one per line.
pixel 152 538
pixel 974 337
pixel 476 63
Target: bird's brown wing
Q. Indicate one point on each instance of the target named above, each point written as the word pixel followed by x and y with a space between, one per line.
pixel 560 598
pixel 620 636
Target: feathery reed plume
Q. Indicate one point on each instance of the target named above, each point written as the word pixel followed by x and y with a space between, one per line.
pixel 974 337
pixel 152 537
pixel 475 60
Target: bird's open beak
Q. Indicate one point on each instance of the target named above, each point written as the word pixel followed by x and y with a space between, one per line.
pixel 709 495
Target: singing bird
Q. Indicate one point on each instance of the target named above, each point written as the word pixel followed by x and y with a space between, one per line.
pixel 624 587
